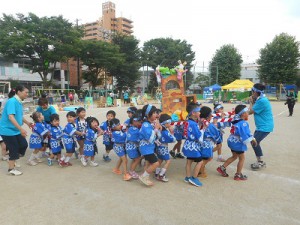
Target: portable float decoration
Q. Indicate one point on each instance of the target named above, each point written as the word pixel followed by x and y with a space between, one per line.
pixel 174 100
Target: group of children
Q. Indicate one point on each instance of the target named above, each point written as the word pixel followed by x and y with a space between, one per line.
pixel 144 135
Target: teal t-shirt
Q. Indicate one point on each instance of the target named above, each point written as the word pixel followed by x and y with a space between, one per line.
pixel 263 116
pixel 46 112
pixel 12 107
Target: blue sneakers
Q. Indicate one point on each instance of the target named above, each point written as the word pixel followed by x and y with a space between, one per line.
pixel 50 163
pixel 195 181
pixel 106 158
pixel 186 179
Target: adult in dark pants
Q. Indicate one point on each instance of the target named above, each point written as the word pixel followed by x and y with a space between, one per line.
pixel 11 128
pixel 261 107
pixel 291 98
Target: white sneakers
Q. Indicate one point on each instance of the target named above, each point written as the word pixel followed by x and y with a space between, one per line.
pixel 84 162
pixel 15 172
pixel 31 163
pixel 93 163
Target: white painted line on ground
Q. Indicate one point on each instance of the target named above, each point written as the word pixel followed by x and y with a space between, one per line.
pixel 280 113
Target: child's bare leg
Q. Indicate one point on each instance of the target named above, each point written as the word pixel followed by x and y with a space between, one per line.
pixel 80 143
pixel 134 163
pixel 3 147
pixel 197 169
pixel 167 164
pixel 188 166
pixel 118 164
pixel 220 149
pixel 230 159
pixel 240 163
pixel 124 161
pixel 178 146
pixel 152 167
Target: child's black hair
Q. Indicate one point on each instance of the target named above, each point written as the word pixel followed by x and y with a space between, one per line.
pixel 35 116
pixel 152 110
pixel 71 113
pixel 132 109
pixel 190 107
pixel 91 119
pixel 79 110
pixel 111 112
pixel 54 117
pixel 239 108
pixel 164 117
pixel 138 115
pixel 205 112
pixel 114 121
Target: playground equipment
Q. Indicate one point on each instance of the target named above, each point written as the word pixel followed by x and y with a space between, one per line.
pixel 71 108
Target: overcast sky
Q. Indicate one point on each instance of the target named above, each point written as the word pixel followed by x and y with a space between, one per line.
pixel 206 24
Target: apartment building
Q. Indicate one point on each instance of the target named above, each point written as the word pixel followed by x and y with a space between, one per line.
pixel 108 24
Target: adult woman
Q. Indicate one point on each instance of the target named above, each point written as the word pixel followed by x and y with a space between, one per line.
pixel 10 128
pixel 263 117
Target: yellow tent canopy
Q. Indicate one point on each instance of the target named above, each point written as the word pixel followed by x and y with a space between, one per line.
pixel 239 85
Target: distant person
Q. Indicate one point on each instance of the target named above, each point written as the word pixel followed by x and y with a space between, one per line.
pixel 261 107
pixel 50 98
pixel 71 97
pixel 291 98
pixel 62 97
pixel 14 136
pixel 81 97
pixel 75 97
pixel 126 97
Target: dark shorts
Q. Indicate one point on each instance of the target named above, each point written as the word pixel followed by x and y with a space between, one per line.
pixel 205 158
pixel 237 152
pixel 57 153
pixel 109 147
pixel 151 158
pixel 17 146
pixel 195 159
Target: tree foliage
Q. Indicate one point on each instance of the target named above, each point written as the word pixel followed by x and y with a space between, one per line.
pixel 100 58
pixel 279 60
pixel 38 41
pixel 166 52
pixel 227 62
pixel 203 80
pixel 127 72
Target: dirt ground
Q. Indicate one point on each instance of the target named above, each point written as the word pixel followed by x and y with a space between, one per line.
pixel 94 195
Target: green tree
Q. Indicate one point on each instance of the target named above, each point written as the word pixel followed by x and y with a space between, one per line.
pixel 225 66
pixel 41 42
pixel 279 60
pixel 100 58
pixel 202 80
pixel 127 72
pixel 166 52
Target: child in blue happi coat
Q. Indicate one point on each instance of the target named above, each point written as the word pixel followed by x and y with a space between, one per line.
pixel 130 112
pixel 219 109
pixel 191 147
pixel 69 134
pixel 106 129
pixel 90 147
pixel 81 126
pixel 119 140
pixel 237 141
pixel 55 141
pixel 211 136
pixel 39 133
pixel 162 149
pixel 148 134
pixel 132 142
